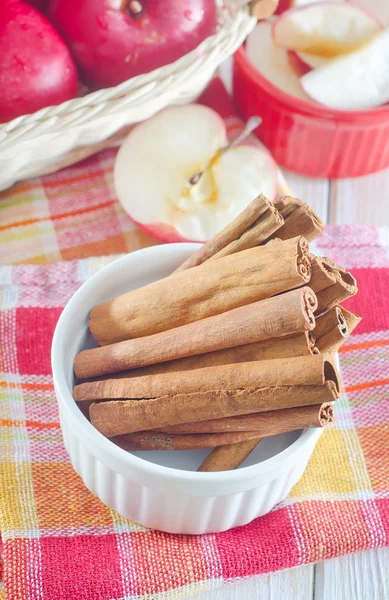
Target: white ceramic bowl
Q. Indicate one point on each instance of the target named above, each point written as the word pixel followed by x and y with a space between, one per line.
pixel 162 490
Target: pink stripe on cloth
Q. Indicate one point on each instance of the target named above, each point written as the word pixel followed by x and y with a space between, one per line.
pixel 349 236
pixel 363 257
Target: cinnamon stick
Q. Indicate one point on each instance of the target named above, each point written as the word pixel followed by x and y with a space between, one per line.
pixel 229 457
pixel 344 287
pixel 312 416
pixel 117 417
pixel 260 221
pixel 331 330
pixel 322 273
pixel 225 458
pixel 331 282
pixel 333 327
pixel 148 440
pixel 190 296
pixel 307 370
pixel 264 424
pixel 291 389
pixel 299 217
pixel 259 232
pixel 351 319
pixel 229 234
pixel 300 344
pixel 279 316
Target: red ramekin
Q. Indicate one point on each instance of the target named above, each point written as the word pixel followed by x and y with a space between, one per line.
pixel 309 138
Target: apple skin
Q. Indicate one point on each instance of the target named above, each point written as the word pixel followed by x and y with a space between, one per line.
pixel 285 5
pixel 41 5
pixel 298 65
pixel 110 45
pixel 36 68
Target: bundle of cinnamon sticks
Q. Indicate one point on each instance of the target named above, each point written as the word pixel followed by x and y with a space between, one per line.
pixel 235 345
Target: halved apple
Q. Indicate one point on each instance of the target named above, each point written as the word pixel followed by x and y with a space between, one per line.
pixel 287 4
pixel 272 62
pixel 326 29
pixel 355 81
pixel 155 173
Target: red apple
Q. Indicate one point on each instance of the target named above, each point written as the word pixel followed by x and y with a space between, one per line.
pixel 36 69
pixel 39 4
pixel 113 40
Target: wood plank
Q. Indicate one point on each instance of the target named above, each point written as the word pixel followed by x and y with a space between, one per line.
pixel 360 201
pixel 362 576
pixel 292 584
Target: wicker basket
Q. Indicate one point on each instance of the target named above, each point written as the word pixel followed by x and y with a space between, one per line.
pixel 61 135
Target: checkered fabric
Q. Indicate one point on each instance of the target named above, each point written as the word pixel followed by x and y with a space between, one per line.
pixel 59 542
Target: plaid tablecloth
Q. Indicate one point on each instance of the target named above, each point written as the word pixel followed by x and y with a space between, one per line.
pixel 60 542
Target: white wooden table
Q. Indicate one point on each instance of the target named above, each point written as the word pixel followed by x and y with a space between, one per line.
pixel 362 576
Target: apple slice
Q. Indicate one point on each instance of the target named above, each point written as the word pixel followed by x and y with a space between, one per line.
pixel 299 66
pixel 159 159
pixel 355 81
pixel 272 62
pixel 303 62
pixel 325 29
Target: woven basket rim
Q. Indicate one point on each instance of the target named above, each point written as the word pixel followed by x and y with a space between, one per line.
pixel 95 98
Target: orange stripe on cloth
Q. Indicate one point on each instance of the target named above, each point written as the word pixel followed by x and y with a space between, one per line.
pixel 27 186
pixel 61 181
pixel 37 424
pixel 364 345
pixel 27 386
pixel 366 385
pixel 72 213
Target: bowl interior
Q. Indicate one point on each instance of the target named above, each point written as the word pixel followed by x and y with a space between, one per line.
pixel 127 273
